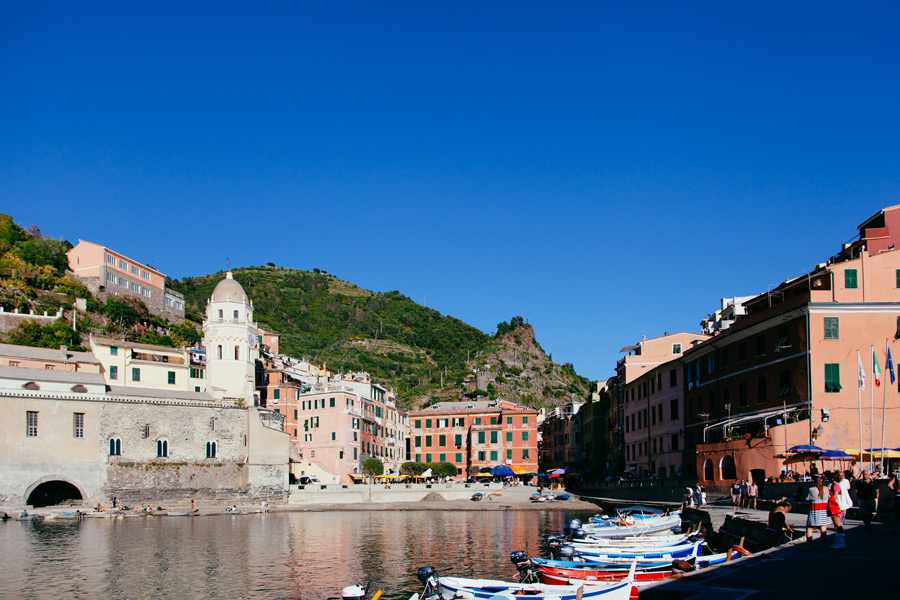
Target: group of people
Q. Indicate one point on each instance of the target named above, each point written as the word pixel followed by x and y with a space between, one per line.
pixel 695 496
pixel 744 494
pixel 829 499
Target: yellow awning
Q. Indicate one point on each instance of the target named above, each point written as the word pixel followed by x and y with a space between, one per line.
pixel 887 453
pixel 520 470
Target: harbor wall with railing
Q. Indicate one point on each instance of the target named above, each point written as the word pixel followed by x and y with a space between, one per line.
pixel 337 493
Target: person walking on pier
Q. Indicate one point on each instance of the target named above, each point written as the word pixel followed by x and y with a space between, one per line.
pixel 867 494
pixel 818 512
pixel 752 494
pixel 736 493
pixel 836 513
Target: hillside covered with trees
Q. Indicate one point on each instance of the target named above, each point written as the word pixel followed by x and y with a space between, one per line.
pixel 424 355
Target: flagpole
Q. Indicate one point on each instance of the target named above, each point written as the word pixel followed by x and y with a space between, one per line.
pixel 890 366
pixel 872 414
pixel 861 378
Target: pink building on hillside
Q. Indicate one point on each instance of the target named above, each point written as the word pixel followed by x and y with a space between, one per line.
pixel 786 373
pixel 110 273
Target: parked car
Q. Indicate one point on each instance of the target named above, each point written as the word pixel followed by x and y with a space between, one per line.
pixel 309 480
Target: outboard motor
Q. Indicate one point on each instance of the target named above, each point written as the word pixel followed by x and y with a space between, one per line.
pixel 428 577
pixel 524 566
pixel 578 535
pixel 425 574
pixel 574 525
pixel 554 542
pixel 565 552
pixel 353 592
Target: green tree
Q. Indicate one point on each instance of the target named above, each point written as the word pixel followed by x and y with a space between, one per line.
pixel 473 470
pixel 443 469
pixel 46 251
pixel 412 468
pixel 373 466
pixel 185 334
pixel 58 333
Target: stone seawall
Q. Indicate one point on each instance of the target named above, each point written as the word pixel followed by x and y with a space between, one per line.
pixel 221 483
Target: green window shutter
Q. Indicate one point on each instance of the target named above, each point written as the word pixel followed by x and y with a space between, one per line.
pixel 427 423
pixel 493 420
pixel 428 458
pixel 428 442
pixel 278 410
pixel 443 440
pixel 418 423
pixel 524 436
pixel 850 281
pixel 171 377
pixel 277 394
pixel 295 414
pixel 832 377
pixel 493 437
pixel 524 420
pixel 478 420
pixel 458 457
pixel 480 437
pixel 331 402
pixel 898 277
pixel 114 372
pixel 135 374
pixel 457 440
pixel 443 458
pixel 333 436
pixel 509 454
pixel 509 420
pixel 493 456
pixel 509 436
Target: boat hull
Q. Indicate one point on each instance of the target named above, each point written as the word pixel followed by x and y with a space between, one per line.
pixel 483 589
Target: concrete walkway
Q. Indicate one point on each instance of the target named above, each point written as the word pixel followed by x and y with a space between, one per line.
pixel 794 571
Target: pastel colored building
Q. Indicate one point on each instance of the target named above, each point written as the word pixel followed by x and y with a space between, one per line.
pixel 650 413
pixel 561 438
pixel 50 359
pixel 475 434
pixel 110 273
pixel 132 364
pixel 786 373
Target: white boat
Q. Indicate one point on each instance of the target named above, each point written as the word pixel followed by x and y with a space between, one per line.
pixel 459 588
pixel 631 526
pixel 671 553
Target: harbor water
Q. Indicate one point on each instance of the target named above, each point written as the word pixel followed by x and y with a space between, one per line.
pixel 309 555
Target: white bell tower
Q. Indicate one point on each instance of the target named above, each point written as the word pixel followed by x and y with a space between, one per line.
pixel 230 337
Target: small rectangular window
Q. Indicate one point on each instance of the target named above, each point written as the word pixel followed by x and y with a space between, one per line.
pixel 78 424
pixel 114 372
pixel 457 440
pixel 113 351
pixel 524 436
pixel 850 281
pixel 428 442
pixel 31 423
pixel 478 420
pixel 418 424
pixel 831 328
pixel 135 374
pixel 493 456
pixel 458 457
pixel 427 423
pixel 509 436
pixel 418 441
pixel 481 437
pixel 676 348
pixel 171 377
pixel 493 437
pixel 442 440
pixel 524 420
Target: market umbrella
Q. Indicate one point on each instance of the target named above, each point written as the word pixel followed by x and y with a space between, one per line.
pixel 836 455
pixel 485 470
pixel 557 473
pixel 484 475
pixel 521 471
pixel 806 448
pixel 801 458
pixel 503 471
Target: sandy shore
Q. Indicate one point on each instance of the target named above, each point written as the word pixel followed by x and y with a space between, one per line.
pixel 506 499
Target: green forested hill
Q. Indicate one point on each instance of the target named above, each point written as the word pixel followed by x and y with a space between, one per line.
pixel 421 353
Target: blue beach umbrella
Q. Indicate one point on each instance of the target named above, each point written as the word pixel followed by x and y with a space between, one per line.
pixel 503 471
pixel 836 455
pixel 806 448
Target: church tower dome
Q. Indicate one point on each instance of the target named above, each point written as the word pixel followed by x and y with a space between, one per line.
pixel 230 338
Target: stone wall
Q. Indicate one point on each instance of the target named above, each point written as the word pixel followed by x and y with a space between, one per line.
pixel 11 320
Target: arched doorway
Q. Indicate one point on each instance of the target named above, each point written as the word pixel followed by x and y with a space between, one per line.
pixel 727 467
pixel 51 493
pixel 708 470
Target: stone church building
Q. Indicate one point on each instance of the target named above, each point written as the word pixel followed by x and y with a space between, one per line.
pixel 69 433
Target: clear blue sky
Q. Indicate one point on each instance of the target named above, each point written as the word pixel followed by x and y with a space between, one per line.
pixel 603 170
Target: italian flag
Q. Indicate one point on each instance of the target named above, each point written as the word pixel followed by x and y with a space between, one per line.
pixel 876 369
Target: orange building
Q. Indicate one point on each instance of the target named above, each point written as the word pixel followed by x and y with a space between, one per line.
pixel 786 373
pixel 478 433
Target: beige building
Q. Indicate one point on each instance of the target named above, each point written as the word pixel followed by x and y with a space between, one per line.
pixel 130 364
pixel 142 436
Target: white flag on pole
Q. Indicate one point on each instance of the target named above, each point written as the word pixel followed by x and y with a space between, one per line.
pixel 862 372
